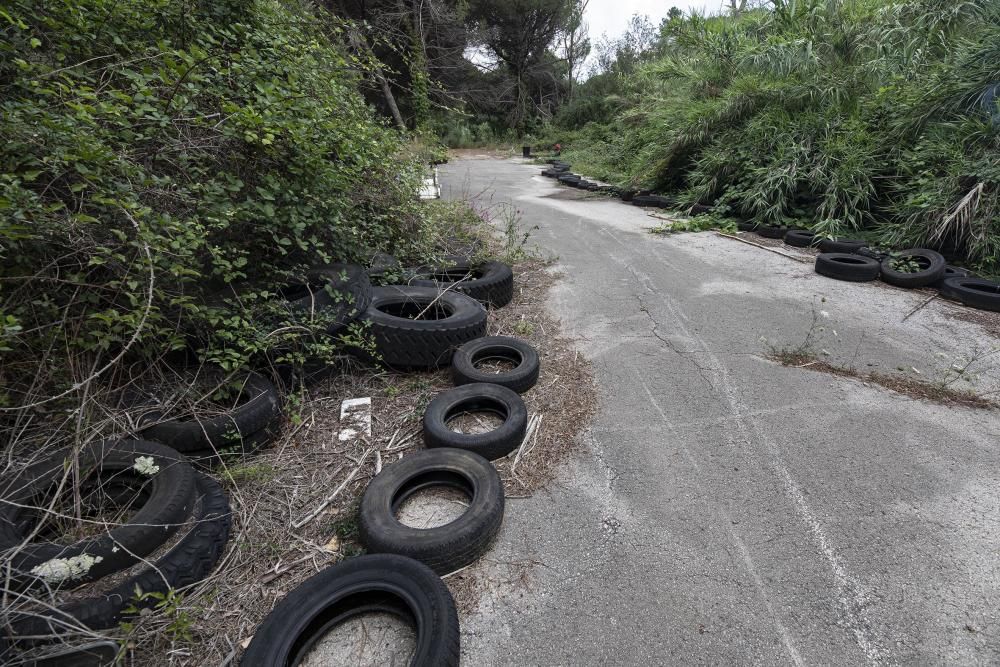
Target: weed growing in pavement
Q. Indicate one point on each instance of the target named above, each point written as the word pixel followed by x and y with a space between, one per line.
pixel 805 352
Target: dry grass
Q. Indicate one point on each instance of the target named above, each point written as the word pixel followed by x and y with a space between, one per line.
pixel 275 545
pixel 927 391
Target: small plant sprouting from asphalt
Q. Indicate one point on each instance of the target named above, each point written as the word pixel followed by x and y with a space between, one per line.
pixel 806 351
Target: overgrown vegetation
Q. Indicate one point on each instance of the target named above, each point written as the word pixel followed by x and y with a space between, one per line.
pixel 156 152
pixel 836 115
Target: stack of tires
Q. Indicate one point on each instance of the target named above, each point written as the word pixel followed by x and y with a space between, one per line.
pixel 401 573
pixel 177 526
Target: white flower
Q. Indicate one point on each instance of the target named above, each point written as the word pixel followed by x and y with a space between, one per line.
pixel 146 466
pixel 60 569
pixel 825 315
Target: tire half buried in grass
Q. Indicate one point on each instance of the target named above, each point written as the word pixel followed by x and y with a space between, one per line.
pixel 420 327
pixel 443 548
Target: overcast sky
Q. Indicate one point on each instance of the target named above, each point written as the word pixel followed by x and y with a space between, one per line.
pixel 612 16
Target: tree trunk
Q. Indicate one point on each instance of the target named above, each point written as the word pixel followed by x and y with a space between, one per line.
pixel 391 100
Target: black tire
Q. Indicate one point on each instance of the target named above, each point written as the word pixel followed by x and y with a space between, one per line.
pixel 841 245
pixel 932 265
pixel 167 495
pixel 973 292
pixel 428 343
pixel 747 226
pixel 233 454
pixel 627 195
pixel 188 562
pixel 383 264
pixel 645 201
pixel 490 283
pixel 699 209
pixel 865 251
pixel 772 232
pixel 846 266
pixel 953 272
pixel 366 584
pixel 568 179
pixel 444 548
pixel 261 410
pixel 478 397
pixel 339 293
pixel 520 379
pixel 799 238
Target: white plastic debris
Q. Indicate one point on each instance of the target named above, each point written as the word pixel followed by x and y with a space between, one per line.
pixel 355 418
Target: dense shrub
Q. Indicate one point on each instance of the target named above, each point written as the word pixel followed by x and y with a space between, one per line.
pixel 874 115
pixel 154 151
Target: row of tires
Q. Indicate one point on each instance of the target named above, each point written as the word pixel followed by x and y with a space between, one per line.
pixel 439 318
pixel 852 260
pixel 402 572
pixel 848 259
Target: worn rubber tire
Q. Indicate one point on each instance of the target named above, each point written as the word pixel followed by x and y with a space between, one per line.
pixel 973 292
pixel 567 179
pixel 444 548
pixel 477 397
pixel 367 584
pixel 188 562
pixel 747 226
pixel 772 232
pixel 645 201
pixel 799 238
pixel 492 283
pixel 953 272
pixel 841 245
pixel 168 503
pixel 521 378
pixel 847 266
pixel 933 272
pixel 407 343
pixel 261 411
pixel 340 292
pixel 249 445
pixel 699 209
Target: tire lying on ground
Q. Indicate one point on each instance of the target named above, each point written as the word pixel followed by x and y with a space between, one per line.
pixel 187 562
pixel 443 548
pixel 845 266
pixel 953 272
pixel 747 226
pixel 477 397
pixel 699 209
pixel 338 293
pixel 367 584
pixel 566 179
pixel 257 415
pixel 772 232
pixel 490 283
pixel 448 319
pixel 841 245
pixel 520 378
pixel 123 471
pixel 973 292
pixel 931 268
pixel 799 238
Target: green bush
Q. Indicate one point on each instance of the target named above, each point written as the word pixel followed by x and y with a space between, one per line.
pixel 156 151
pixel 876 115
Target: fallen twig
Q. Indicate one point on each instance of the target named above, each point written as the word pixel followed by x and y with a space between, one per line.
pixel 330 498
pixel 758 245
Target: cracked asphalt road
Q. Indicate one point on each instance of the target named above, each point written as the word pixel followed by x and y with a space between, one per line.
pixel 722 508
